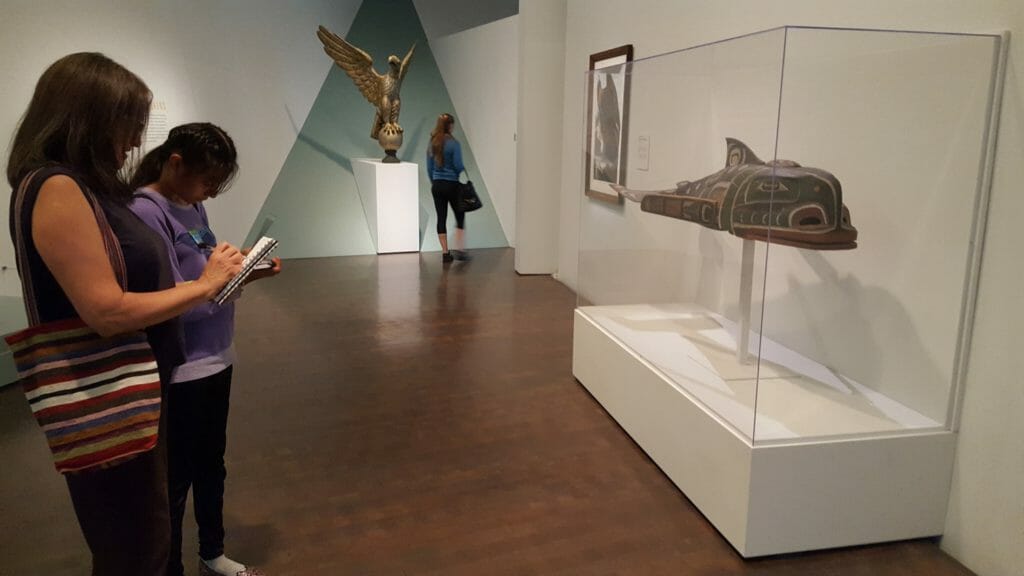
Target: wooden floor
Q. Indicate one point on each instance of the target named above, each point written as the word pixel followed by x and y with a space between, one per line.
pixel 391 416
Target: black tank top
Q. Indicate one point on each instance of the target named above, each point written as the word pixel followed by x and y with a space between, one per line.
pixel 145 258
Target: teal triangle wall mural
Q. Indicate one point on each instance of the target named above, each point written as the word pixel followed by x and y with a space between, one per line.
pixel 314 201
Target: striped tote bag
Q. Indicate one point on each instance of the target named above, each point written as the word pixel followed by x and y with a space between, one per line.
pixel 96 398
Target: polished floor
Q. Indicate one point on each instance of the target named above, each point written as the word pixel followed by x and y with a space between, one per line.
pixel 391 416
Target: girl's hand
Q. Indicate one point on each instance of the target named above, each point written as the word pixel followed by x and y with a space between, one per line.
pixel 274 270
pixel 224 263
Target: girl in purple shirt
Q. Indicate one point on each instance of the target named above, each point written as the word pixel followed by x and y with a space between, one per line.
pixel 198 161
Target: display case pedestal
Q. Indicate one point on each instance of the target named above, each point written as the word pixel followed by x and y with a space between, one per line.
pixel 390 196
pixel 774 497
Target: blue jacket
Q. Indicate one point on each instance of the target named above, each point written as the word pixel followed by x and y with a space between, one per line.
pixel 452 165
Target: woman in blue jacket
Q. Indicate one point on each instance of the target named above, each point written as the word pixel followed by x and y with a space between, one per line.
pixel 444 165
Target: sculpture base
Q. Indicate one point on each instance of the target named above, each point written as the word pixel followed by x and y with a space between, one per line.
pixel 391 201
pixel 390 157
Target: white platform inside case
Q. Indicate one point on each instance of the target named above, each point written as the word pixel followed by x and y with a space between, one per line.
pixel 390 197
pixel 796 397
pixel 834 464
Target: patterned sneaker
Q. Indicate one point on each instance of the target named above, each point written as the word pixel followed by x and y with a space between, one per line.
pixel 461 255
pixel 446 257
pixel 205 570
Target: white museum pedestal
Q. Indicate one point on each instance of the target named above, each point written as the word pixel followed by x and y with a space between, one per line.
pixel 799 490
pixel 390 195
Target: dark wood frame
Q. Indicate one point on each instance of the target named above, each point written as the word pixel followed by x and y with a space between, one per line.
pixel 595 63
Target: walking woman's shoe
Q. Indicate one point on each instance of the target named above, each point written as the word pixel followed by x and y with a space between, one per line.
pixel 461 255
pixel 446 257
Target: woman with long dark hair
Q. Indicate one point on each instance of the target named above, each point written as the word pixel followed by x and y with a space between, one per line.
pixel 86 115
pixel 444 165
pixel 197 162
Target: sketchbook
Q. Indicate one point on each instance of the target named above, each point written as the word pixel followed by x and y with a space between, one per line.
pixel 259 251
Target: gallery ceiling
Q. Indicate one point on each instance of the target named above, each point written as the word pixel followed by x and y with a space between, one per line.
pixel 445 17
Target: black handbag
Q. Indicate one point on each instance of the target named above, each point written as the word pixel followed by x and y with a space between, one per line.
pixel 468 198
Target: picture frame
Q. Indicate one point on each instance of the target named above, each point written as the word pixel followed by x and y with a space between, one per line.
pixel 607 123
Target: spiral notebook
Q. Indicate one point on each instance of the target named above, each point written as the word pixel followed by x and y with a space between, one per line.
pixel 259 251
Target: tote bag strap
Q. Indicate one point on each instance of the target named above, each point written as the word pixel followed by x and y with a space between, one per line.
pixel 110 244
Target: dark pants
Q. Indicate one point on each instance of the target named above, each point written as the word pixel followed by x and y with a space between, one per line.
pixel 123 511
pixel 197 436
pixel 446 192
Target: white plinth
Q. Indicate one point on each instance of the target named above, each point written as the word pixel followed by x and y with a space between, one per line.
pixel 786 495
pixel 390 195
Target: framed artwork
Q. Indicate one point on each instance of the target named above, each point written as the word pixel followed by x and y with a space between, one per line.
pixel 607 122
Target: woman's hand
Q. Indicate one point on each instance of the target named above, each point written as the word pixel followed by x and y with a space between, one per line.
pixel 223 264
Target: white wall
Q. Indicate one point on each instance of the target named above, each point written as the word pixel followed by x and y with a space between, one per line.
pixel 480 68
pixel 251 66
pixel 985 523
pixel 539 154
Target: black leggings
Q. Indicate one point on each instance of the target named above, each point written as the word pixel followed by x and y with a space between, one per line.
pixel 197 436
pixel 447 192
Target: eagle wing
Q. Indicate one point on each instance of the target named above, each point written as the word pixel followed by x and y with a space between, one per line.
pixel 355 62
pixel 405 63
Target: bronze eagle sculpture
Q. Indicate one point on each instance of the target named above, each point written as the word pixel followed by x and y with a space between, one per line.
pixel 381 90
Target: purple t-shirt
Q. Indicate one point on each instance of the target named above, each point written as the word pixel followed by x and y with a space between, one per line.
pixel 209 328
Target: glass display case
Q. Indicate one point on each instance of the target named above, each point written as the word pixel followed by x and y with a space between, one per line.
pixel 794 247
